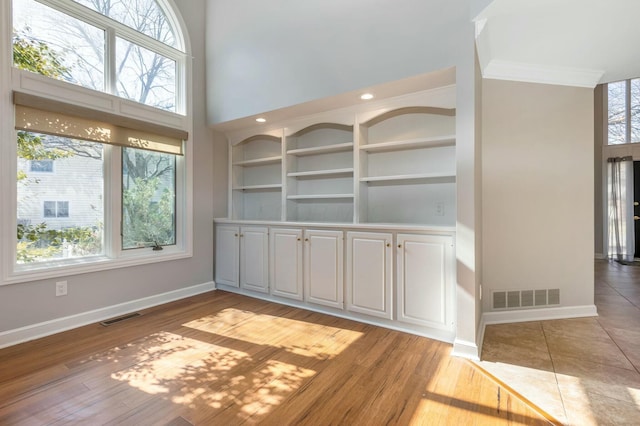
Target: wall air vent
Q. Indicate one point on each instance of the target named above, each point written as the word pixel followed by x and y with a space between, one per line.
pixel 112 321
pixel 499 299
pixel 523 299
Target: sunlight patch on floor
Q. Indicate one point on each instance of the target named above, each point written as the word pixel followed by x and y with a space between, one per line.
pixel 199 374
pixel 318 341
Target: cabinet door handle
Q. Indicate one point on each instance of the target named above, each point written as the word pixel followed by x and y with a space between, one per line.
pixel 299 239
pixel 235 235
pixel 399 245
pixel 241 235
pixel 388 245
pixel 306 239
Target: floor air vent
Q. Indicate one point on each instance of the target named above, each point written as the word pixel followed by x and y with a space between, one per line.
pixel 115 320
pixel 511 299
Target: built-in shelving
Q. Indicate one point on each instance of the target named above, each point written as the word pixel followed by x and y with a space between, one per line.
pixel 257 187
pixel 259 161
pixel 340 147
pixel 320 197
pixel 390 162
pixel 434 142
pixel 439 177
pixel 322 173
pixel 406 167
pixel 256 177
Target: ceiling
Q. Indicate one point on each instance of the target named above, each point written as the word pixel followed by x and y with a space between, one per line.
pixel 568 42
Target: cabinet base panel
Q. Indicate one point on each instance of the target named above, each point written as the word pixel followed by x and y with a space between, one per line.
pixel 442 335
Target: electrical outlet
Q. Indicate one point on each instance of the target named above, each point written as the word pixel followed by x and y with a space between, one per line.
pixel 439 208
pixel 61 288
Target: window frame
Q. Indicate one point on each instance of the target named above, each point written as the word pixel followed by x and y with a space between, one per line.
pixel 627 113
pixel 114 257
pixel 56 204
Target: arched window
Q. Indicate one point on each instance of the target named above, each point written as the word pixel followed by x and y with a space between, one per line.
pixel 99 91
pixel 129 49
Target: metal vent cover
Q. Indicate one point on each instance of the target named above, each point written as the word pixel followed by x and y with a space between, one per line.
pixel 112 321
pixel 522 299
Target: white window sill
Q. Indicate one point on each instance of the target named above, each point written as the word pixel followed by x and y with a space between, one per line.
pixel 34 272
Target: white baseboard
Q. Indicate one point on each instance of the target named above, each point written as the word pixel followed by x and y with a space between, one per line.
pixel 47 328
pixel 465 349
pixel 542 314
pixel 600 256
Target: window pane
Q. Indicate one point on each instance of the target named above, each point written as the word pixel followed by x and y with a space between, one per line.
pixel 635 110
pixel 148 198
pixel 41 166
pixel 145 76
pixel 144 16
pixel 78 181
pixel 617 112
pixel 49 209
pixel 62 209
pixel 54 44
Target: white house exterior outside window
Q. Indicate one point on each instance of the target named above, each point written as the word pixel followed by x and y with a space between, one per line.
pixel 96 129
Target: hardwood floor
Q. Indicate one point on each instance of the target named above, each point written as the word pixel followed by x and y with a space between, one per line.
pixel 225 359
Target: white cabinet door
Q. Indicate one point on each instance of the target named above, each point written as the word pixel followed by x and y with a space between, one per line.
pixel 425 288
pixel 285 263
pixel 323 264
pixel 254 258
pixel 227 250
pixel 369 272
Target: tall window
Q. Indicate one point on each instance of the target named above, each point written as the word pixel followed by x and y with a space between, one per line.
pixel 623 112
pixel 72 203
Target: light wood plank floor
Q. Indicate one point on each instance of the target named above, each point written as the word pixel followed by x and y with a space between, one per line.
pixel 225 359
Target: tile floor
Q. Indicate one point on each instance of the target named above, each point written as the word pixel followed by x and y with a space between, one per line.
pixel 583 371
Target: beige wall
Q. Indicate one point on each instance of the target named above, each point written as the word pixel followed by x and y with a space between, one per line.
pixel 537 188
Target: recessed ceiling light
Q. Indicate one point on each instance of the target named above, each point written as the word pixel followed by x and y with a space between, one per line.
pixel 366 96
pixel 261 120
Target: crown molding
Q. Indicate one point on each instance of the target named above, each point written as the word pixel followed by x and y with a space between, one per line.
pixel 542 74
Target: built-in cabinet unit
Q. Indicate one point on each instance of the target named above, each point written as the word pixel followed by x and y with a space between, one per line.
pixel 323 267
pixel 369 273
pixel 228 255
pixel 352 212
pixel 285 262
pixel 254 258
pixel 242 257
pixel 425 259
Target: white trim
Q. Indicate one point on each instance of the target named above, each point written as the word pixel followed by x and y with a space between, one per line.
pixel 465 349
pixel 543 314
pixel 47 328
pixel 480 336
pixel 85 265
pixel 543 74
pixel 600 256
pixel 434 333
